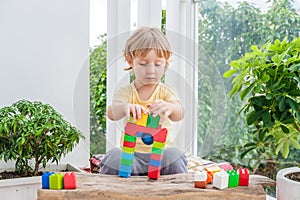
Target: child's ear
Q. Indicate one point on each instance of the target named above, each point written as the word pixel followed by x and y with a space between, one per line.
pixel 129 61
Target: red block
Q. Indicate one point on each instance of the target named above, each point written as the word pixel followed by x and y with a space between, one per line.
pixel 133 129
pixel 153 172
pixel 154 156
pixel 70 181
pixel 129 144
pixel 161 136
pixel 244 177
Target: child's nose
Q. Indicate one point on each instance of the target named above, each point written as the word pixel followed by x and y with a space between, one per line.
pixel 151 68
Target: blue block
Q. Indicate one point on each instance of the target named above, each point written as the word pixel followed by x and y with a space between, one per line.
pixel 139 134
pixel 124 174
pixel 156 163
pixel 45 180
pixel 125 168
pixel 127 156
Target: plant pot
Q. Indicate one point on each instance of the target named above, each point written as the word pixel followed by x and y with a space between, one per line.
pixel 26 188
pixel 287 189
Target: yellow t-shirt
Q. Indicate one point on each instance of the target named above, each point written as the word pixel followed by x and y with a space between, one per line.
pixel 129 94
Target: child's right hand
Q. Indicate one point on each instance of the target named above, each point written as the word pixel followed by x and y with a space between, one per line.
pixel 136 110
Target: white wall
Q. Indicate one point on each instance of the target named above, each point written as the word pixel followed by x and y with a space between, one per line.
pixel 44 48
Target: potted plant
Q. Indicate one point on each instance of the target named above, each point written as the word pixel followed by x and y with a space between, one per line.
pixel 34 134
pixel 268 80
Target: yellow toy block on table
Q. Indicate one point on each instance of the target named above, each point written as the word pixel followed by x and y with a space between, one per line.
pixel 213 169
pixel 143 120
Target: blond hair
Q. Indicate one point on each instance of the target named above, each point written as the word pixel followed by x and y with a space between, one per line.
pixel 145 39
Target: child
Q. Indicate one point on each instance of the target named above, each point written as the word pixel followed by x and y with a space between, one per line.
pixel 147 52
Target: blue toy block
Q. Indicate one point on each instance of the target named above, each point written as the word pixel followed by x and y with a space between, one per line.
pixel 156 163
pixel 127 156
pixel 125 171
pixel 45 180
pixel 124 174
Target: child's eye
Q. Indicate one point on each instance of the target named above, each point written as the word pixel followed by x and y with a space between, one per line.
pixel 143 64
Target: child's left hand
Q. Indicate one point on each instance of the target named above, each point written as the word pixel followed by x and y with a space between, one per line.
pixel 162 108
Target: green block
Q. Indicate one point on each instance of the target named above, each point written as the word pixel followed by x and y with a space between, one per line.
pixel 126 162
pixel 158 145
pixel 157 150
pixel 234 177
pixel 128 150
pixel 153 122
pixel 56 181
pixel 129 138
pixel 131 120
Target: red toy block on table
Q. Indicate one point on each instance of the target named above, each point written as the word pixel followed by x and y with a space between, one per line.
pixel 153 172
pixel 244 177
pixel 70 181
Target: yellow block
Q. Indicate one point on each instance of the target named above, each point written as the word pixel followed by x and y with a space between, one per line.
pixel 143 120
pixel 213 169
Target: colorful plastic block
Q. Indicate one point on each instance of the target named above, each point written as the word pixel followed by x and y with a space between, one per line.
pixel 125 171
pixel 200 179
pixel 56 181
pixel 153 172
pixel 226 166
pixel 45 180
pixel 149 130
pixel 129 144
pixel 210 177
pixel 129 138
pixel 244 177
pixel 233 178
pixel 213 169
pixel 154 156
pixel 221 180
pixel 143 120
pixel 70 181
pixel 156 163
pixel 153 122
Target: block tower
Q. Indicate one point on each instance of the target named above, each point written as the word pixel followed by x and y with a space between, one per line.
pixel 148 128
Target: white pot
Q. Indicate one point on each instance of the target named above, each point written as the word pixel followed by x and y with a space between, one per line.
pixel 26 188
pixel 287 189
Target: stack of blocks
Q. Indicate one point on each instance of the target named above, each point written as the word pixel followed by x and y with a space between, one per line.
pixel 147 127
pixel 53 181
pixel 225 179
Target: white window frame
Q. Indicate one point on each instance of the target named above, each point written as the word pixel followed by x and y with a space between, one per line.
pixel 181 30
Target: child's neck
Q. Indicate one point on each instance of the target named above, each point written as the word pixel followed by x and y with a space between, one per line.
pixel 145 91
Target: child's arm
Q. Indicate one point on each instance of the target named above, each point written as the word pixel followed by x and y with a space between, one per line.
pixel 172 109
pixel 117 110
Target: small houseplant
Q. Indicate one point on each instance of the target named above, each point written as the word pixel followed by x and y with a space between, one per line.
pixel 34 132
pixel 268 80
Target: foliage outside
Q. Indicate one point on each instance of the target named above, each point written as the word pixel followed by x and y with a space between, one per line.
pixel 226 34
pixel 34 131
pixel 268 79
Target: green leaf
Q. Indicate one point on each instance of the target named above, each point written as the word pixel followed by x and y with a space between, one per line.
pixel 229 73
pixel 254 116
pixel 282 106
pixel 243 154
pixel 295 143
pixel 279 147
pixel 284 128
pixel 286 149
pixel 294 105
pixel 246 91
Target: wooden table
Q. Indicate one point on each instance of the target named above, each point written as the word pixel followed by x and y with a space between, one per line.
pixel 179 186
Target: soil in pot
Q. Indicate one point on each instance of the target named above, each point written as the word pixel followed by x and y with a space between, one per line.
pixel 12 174
pixel 293 176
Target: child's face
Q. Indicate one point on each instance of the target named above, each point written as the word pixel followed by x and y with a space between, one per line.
pixel 149 69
